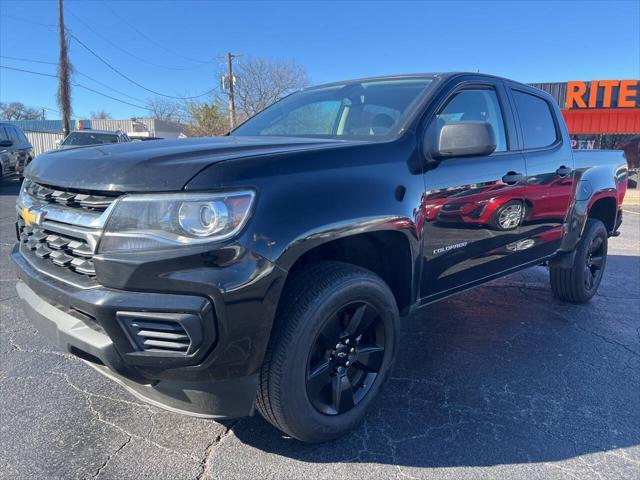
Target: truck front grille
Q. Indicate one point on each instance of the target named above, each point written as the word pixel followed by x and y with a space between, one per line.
pixel 88 201
pixel 63 229
pixel 63 251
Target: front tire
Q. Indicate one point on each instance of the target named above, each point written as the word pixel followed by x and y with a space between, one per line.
pixel 331 350
pixel 508 216
pixel 580 283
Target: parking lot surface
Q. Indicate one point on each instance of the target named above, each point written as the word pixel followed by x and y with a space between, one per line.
pixel 499 382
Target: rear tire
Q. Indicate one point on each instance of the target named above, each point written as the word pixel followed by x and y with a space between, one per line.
pixel 311 388
pixel 580 283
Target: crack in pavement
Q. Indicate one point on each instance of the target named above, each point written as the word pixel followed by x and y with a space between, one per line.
pixel 17 348
pixel 607 340
pixel 204 463
pixel 113 455
pixel 88 395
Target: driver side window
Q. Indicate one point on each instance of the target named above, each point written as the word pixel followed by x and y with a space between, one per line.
pixel 479 104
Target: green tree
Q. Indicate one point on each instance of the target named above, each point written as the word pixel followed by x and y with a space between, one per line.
pixel 206 119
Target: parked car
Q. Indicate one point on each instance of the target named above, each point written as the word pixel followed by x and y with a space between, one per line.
pixel 269 269
pixel 141 138
pixel 505 206
pixel 88 137
pixel 633 178
pixel 15 150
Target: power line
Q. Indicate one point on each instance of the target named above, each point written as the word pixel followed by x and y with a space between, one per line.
pixel 25 20
pixel 70 33
pixel 151 40
pixel 28 60
pixel 133 55
pixel 109 96
pixel 75 84
pixel 29 71
pixel 109 87
pixel 58 112
pixel 76 71
pixel 133 81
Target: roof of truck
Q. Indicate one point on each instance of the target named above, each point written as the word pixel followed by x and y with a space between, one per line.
pixel 439 75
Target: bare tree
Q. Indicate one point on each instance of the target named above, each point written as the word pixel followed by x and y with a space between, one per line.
pixel 167 110
pixel 18 111
pixel 101 115
pixel 261 82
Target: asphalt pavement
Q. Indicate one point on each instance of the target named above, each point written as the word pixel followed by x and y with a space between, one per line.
pixel 499 382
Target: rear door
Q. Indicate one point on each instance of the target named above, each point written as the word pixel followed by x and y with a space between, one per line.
pixel 549 163
pixel 472 206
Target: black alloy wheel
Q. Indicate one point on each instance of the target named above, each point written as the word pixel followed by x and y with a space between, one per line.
pixel 594 262
pixel 345 359
pixel 331 351
pixel 579 282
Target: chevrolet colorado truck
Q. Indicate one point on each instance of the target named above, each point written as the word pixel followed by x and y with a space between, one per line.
pixel 268 269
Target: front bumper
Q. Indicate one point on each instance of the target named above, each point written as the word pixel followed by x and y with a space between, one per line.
pixel 216 377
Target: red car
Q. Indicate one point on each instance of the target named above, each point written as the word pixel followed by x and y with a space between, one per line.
pixel 505 206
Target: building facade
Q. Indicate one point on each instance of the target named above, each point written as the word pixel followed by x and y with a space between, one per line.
pixel 601 114
pixel 43 134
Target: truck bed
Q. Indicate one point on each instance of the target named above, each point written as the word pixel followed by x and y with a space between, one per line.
pixel 595 158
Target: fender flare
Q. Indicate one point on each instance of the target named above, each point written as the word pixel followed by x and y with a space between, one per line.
pixel 342 230
pixel 592 184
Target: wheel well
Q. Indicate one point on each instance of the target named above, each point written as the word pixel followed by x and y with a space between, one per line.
pixel 604 210
pixel 386 253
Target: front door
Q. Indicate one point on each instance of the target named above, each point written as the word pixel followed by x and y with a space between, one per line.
pixel 472 207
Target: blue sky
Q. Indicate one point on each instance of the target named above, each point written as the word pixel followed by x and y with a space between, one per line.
pixel 527 41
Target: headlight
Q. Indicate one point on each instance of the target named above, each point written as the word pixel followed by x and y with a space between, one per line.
pixel 160 221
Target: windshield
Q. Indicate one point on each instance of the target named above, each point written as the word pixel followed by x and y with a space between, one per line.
pixel 89 138
pixel 365 110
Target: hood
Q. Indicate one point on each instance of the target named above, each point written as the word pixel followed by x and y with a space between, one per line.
pixel 158 165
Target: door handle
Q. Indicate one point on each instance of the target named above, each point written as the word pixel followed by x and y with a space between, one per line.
pixel 512 177
pixel 563 171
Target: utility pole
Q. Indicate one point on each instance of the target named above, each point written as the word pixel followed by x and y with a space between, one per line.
pixel 232 104
pixel 64 74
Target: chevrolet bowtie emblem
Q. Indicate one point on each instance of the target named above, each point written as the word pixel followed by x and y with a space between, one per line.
pixel 31 218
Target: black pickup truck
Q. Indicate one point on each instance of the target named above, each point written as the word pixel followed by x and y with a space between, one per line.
pixel 270 268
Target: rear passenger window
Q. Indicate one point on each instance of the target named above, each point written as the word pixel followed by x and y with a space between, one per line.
pixel 536 120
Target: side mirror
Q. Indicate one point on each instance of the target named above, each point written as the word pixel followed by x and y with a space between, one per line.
pixel 462 139
pixel 58 142
pixel 6 143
